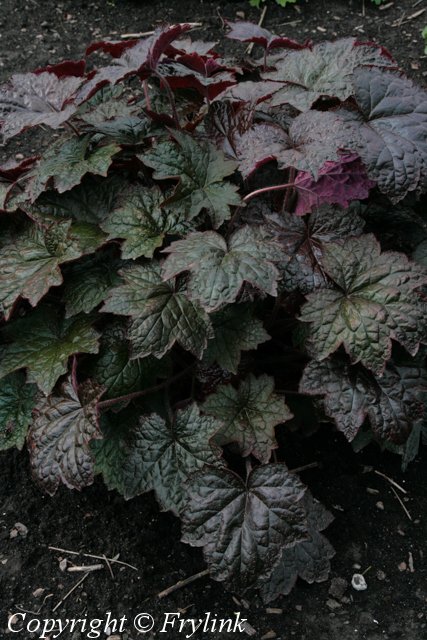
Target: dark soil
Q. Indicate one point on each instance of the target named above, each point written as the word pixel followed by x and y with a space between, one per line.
pixel 367 538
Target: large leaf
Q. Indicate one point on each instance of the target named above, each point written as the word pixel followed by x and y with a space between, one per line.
pixel 259 144
pixel 325 69
pixel 201 170
pixel 244 527
pixel 116 372
pixel 42 341
pixel 390 131
pixel 161 313
pixel 219 268
pixel 88 281
pixel 304 240
pixel 309 560
pixel 29 265
pixel 161 456
pixel 315 137
pixel 236 330
pixel 60 435
pixel 337 183
pixel 31 99
pixel 65 163
pixel 352 394
pixel 374 302
pixel 141 220
pixel 249 415
pixel 17 401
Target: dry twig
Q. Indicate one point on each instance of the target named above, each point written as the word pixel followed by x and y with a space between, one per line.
pixel 91 555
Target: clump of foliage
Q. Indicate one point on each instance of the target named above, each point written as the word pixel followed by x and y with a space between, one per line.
pixel 207 254
pixel 283 3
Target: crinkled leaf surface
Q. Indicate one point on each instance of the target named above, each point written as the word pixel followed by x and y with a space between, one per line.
pixel 374 302
pixel 243 527
pixel 325 69
pixel 64 164
pixel 141 220
pixel 249 415
pixel 236 329
pixel 219 269
pixel 250 32
pixel 303 241
pixel 116 372
pixel 42 341
pixel 259 144
pixel 17 401
pixel 201 169
pixel 88 281
pixel 390 131
pixel 29 265
pixel 31 99
pixel 315 137
pixel 309 560
pixel 161 456
pixel 352 394
pixel 60 435
pixel 337 183
pixel 160 314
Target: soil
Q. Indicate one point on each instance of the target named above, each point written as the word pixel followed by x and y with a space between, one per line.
pixel 371 533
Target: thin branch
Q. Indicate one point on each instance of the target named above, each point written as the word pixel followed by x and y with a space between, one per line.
pixel 260 21
pixel 402 504
pixel 182 583
pixel 391 481
pixel 311 465
pixel 106 404
pixel 91 555
pixel 67 595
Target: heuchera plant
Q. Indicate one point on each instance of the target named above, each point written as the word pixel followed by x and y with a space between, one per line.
pixel 207 250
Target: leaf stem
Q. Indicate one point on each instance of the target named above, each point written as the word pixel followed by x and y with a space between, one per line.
pixel 106 404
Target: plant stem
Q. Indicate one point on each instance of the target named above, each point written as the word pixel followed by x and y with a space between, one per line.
pixel 182 583
pixel 106 404
pixel 165 84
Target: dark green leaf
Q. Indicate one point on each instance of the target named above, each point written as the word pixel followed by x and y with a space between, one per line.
pixel 161 315
pixel 42 341
pixel 219 269
pixel 17 401
pixel 244 527
pixel 374 302
pixel 201 170
pixel 249 415
pixel 236 330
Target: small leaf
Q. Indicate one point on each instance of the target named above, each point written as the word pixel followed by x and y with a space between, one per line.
pixel 116 372
pixel 42 342
pixel 219 269
pixel 17 401
pixel 352 394
pixel 325 69
pixel 249 414
pixel 29 266
pixel 201 170
pixel 337 183
pixel 88 281
pixel 31 99
pixel 309 560
pixel 236 330
pixel 374 303
pixel 250 32
pixel 141 220
pixel 304 240
pixel 160 314
pixel 161 456
pixel 64 164
pixel 60 435
pixel 244 527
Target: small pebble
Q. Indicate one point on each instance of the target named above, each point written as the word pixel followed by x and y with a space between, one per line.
pixel 402 566
pixel 19 529
pixel 380 505
pixel 338 587
pixel 381 575
pixel 358 582
pixel 332 604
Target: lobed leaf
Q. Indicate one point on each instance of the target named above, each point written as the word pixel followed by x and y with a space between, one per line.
pixel 17 400
pixel 249 415
pixel 243 527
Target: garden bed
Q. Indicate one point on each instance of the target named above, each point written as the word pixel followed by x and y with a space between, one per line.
pixel 372 532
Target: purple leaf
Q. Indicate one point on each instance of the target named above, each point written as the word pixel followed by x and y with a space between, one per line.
pixel 337 183
pixel 66 69
pixel 250 32
pixel 31 99
pixel 115 48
